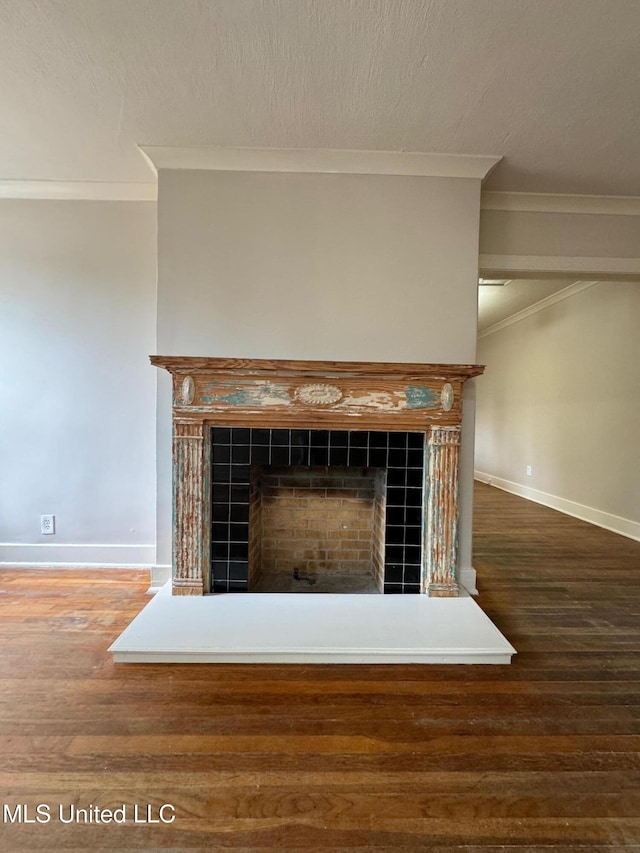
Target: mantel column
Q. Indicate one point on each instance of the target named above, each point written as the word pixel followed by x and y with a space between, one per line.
pixel 441 534
pixel 190 508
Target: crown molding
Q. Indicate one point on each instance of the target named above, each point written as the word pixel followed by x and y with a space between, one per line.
pixel 540 266
pixel 79 190
pixel 565 293
pixel 319 160
pixel 608 205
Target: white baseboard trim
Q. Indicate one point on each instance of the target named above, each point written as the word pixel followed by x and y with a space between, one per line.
pixel 75 554
pixel 468 579
pixel 614 523
pixel 160 574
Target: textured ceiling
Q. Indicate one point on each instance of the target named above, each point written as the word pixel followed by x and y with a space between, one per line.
pixel 553 85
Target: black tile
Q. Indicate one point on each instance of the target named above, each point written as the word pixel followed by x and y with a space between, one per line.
pixel 413 535
pixel 241 435
pixel 415 458
pixel 238 586
pixel 338 456
pixel 393 573
pixel 394 535
pixel 393 554
pixel 280 455
pixel 281 447
pixel 319 438
pixel 411 589
pixel 221 473
pixel 397 440
pixel 377 457
pixel 221 453
pixel 220 530
pixel 319 456
pixel 239 512
pixel 396 476
pixel 280 437
pixel 261 454
pixel 238 571
pixel 219 570
pixel 412 554
pixel 416 439
pixel 395 496
pixel 220 550
pixel 219 586
pixel 300 437
pixel 395 515
pixel 240 454
pixel 359 439
pixel 261 436
pixel 239 551
pixel 240 494
pixel 414 497
pixel 415 476
pixel 397 458
pixel 358 457
pixel 411 574
pixel 299 455
pixel 239 532
pixel 220 511
pixel 240 473
pixel 220 493
pixel 378 439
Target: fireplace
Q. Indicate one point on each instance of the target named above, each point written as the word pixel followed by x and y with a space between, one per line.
pixel 252 437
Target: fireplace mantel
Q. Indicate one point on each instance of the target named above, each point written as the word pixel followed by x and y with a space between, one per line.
pixel 211 392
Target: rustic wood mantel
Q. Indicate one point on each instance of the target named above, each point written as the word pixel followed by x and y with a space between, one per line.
pixel 315 395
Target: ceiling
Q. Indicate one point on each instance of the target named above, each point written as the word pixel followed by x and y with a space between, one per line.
pixel 554 87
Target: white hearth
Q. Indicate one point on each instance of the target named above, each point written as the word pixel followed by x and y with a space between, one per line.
pixel 304 629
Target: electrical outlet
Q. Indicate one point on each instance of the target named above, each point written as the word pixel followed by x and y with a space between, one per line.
pixel 47 524
pixel 528 470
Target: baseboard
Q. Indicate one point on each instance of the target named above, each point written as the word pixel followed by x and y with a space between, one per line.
pixel 468 579
pixel 614 523
pixel 160 574
pixel 73 554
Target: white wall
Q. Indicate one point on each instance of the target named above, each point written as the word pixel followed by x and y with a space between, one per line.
pixel 77 323
pixel 509 232
pixel 562 393
pixel 309 266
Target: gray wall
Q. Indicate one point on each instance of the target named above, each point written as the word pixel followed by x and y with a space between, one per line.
pixel 561 393
pixel 77 286
pixel 309 266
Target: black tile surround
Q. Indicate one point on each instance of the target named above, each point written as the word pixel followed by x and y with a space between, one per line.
pixel 235 449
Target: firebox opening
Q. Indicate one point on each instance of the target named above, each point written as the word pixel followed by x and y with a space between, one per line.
pixel 335 469
pixel 317 529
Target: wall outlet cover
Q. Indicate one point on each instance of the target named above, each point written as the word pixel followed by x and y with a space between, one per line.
pixel 47 524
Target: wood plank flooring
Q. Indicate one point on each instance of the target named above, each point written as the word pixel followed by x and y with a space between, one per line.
pixel 541 754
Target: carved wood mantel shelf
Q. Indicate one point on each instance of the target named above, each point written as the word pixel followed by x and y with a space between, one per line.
pixel 313 395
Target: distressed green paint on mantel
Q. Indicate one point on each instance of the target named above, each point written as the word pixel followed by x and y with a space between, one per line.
pixel 252 394
pixel 421 397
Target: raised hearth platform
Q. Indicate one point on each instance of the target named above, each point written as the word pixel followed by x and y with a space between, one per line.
pixel 318 628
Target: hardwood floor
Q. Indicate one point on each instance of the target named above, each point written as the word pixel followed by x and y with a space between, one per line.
pixel 541 754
